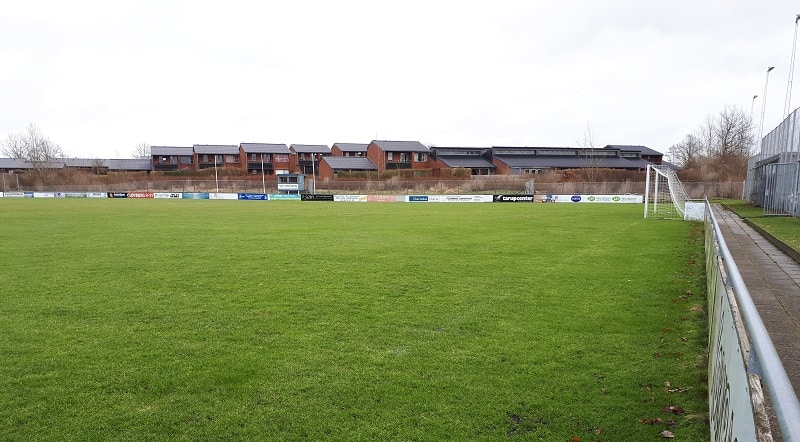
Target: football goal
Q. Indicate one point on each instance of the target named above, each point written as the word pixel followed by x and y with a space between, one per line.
pixel 664 195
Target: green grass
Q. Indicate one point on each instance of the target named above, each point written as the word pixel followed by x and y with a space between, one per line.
pixel 785 228
pixel 219 320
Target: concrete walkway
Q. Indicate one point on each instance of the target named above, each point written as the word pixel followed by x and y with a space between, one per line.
pixel 773 279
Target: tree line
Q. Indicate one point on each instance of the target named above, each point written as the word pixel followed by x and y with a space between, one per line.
pixel 718 149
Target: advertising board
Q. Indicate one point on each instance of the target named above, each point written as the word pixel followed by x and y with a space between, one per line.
pixel 350 198
pixel 252 196
pixel 164 195
pixel 616 199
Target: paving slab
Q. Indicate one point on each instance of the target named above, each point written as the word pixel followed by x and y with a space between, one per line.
pixel 771 277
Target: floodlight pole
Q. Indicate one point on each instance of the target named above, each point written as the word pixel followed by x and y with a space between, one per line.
pixel 763 108
pixel 313 174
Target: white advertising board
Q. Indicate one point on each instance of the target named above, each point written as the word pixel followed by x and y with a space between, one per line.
pixel 223 196
pixel 588 198
pixel 350 198
pixel 162 195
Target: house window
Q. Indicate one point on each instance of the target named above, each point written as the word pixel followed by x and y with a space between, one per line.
pixel 217 159
pixel 390 156
pixel 186 159
pixel 164 160
pixel 404 157
pixel 253 157
pixel 231 158
pixel 421 157
pixel 205 158
pixel 281 158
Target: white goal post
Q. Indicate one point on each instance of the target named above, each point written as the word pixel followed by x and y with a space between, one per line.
pixel 664 195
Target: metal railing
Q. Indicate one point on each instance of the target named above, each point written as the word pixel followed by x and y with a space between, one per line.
pixel 764 359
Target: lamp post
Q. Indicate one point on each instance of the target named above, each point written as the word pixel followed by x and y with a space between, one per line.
pixel 763 108
pixel 752 105
pixel 216 176
pixel 313 174
pixel 263 181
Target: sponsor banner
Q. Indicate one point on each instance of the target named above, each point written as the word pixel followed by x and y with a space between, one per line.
pixel 96 195
pixel 117 194
pixel 16 195
pixel 44 195
pixel 289 186
pixel 1 195
pixel 28 194
pixel 223 196
pixel 315 197
pixel 141 195
pixel 284 196
pixel 350 198
pixel 460 198
pixel 514 198
pixel 253 196
pixel 74 195
pixel 618 199
pixel 385 198
pixel 418 198
pixel 195 196
pixel 162 195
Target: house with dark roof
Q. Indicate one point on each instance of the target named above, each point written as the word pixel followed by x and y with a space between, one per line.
pixel 305 157
pixel 476 159
pixel 397 155
pixel 349 150
pixel 331 166
pixel 216 155
pixel 266 158
pixel 167 158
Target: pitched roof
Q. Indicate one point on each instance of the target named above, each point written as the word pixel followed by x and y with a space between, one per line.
pixel 350 163
pixel 351 147
pixel 310 148
pixel 264 148
pixel 643 149
pixel 216 149
pixel 569 162
pixel 170 151
pixel 468 162
pixel 129 164
pixel 14 163
pixel 400 146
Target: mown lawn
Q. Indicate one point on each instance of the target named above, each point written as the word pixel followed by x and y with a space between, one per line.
pixel 220 320
pixel 785 228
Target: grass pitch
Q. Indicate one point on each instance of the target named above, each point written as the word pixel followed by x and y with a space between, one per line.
pixel 219 320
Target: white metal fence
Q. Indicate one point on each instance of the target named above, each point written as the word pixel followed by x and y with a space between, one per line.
pixel 773 174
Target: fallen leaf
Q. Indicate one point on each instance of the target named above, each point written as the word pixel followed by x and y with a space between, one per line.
pixel 673 409
pixel 576 439
pixel 666 434
pixel 657 420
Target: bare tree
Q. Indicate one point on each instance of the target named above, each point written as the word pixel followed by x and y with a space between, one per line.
pixel 142 150
pixel 588 141
pixel 719 148
pixel 33 147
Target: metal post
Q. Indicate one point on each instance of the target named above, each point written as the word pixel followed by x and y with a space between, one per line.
pixel 216 177
pixel 263 182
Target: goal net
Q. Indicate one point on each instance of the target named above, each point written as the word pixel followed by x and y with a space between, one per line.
pixel 664 195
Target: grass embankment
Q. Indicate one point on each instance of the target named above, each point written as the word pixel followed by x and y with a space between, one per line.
pixel 215 320
pixel 784 228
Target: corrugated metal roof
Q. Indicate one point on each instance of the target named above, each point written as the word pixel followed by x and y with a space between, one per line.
pixel 568 162
pixel 351 147
pixel 400 146
pixel 216 149
pixel 129 164
pixel 310 148
pixel 643 149
pixel 14 163
pixel 264 148
pixel 171 151
pixel 350 163
pixel 470 162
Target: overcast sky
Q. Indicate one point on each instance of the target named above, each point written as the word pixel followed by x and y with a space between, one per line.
pixel 100 77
